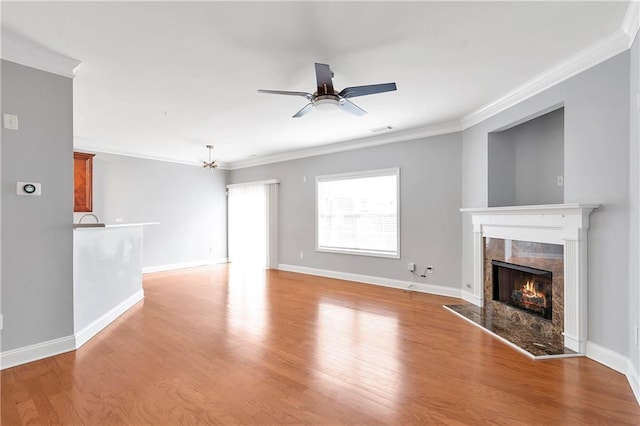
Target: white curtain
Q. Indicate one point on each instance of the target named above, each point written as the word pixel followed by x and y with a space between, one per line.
pixel 252 221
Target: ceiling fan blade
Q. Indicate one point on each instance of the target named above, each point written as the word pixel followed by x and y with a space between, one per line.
pixel 323 77
pixel 352 92
pixel 347 105
pixel 308 107
pixel 285 92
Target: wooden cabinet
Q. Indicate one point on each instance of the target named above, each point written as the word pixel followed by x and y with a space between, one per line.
pixel 83 182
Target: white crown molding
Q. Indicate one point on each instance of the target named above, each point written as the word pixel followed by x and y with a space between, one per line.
pixel 100 150
pixel 631 21
pixel 387 138
pixel 25 52
pixel 583 60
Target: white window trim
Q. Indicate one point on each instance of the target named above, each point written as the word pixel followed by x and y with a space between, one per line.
pixel 257 182
pixel 357 175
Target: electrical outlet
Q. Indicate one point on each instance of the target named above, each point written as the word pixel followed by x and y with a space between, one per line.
pixel 429 269
pixel 560 180
pixel 411 266
pixel 301 254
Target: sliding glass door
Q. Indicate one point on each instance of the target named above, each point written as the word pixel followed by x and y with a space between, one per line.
pixel 252 224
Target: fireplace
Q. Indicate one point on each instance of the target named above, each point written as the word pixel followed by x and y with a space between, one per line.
pixel 523 287
pixel 495 231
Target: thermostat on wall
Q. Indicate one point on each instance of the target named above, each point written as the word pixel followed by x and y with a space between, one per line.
pixel 28 188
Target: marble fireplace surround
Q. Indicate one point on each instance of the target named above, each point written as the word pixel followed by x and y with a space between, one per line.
pixel 561 224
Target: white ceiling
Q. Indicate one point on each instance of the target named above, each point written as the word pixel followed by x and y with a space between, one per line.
pixel 164 79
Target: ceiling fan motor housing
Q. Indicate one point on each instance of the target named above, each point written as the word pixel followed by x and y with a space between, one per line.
pixel 326 101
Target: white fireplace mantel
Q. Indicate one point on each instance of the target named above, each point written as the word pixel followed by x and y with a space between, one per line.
pixel 563 224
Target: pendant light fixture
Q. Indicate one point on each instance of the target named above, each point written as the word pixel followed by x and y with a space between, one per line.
pixel 211 164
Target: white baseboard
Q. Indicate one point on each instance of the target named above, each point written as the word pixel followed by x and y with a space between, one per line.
pixel 50 348
pixel 367 279
pixel 471 298
pixel 634 380
pixel 83 336
pixel 607 357
pixel 35 352
pixel 617 362
pixel 183 265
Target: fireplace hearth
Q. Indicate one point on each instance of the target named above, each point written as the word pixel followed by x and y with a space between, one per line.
pixel 523 296
pixel 523 287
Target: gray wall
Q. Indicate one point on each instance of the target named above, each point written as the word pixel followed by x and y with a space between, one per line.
pixel 188 201
pixel 37 273
pixel 539 159
pixel 634 204
pixel 596 170
pixel 525 161
pixel 430 191
pixel 502 170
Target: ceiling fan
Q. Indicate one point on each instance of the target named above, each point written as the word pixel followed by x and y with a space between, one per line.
pixel 326 95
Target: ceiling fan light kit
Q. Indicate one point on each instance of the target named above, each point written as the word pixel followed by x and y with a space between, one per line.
pixel 325 97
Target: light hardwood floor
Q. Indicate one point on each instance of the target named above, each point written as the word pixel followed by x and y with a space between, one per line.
pixel 224 345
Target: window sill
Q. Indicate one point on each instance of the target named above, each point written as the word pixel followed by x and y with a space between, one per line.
pixel 370 253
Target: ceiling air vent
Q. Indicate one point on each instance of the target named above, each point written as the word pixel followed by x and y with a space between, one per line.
pixel 381 129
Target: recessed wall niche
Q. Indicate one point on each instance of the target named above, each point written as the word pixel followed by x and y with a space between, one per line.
pixel 526 161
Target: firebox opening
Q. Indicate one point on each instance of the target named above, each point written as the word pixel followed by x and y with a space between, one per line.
pixel 523 287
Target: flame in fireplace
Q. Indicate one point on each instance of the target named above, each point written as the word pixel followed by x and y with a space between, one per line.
pixel 532 296
pixel 523 287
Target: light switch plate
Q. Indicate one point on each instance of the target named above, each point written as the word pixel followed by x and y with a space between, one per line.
pixel 10 121
pixel 21 190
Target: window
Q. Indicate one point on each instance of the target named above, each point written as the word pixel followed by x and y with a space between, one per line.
pixel 358 213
